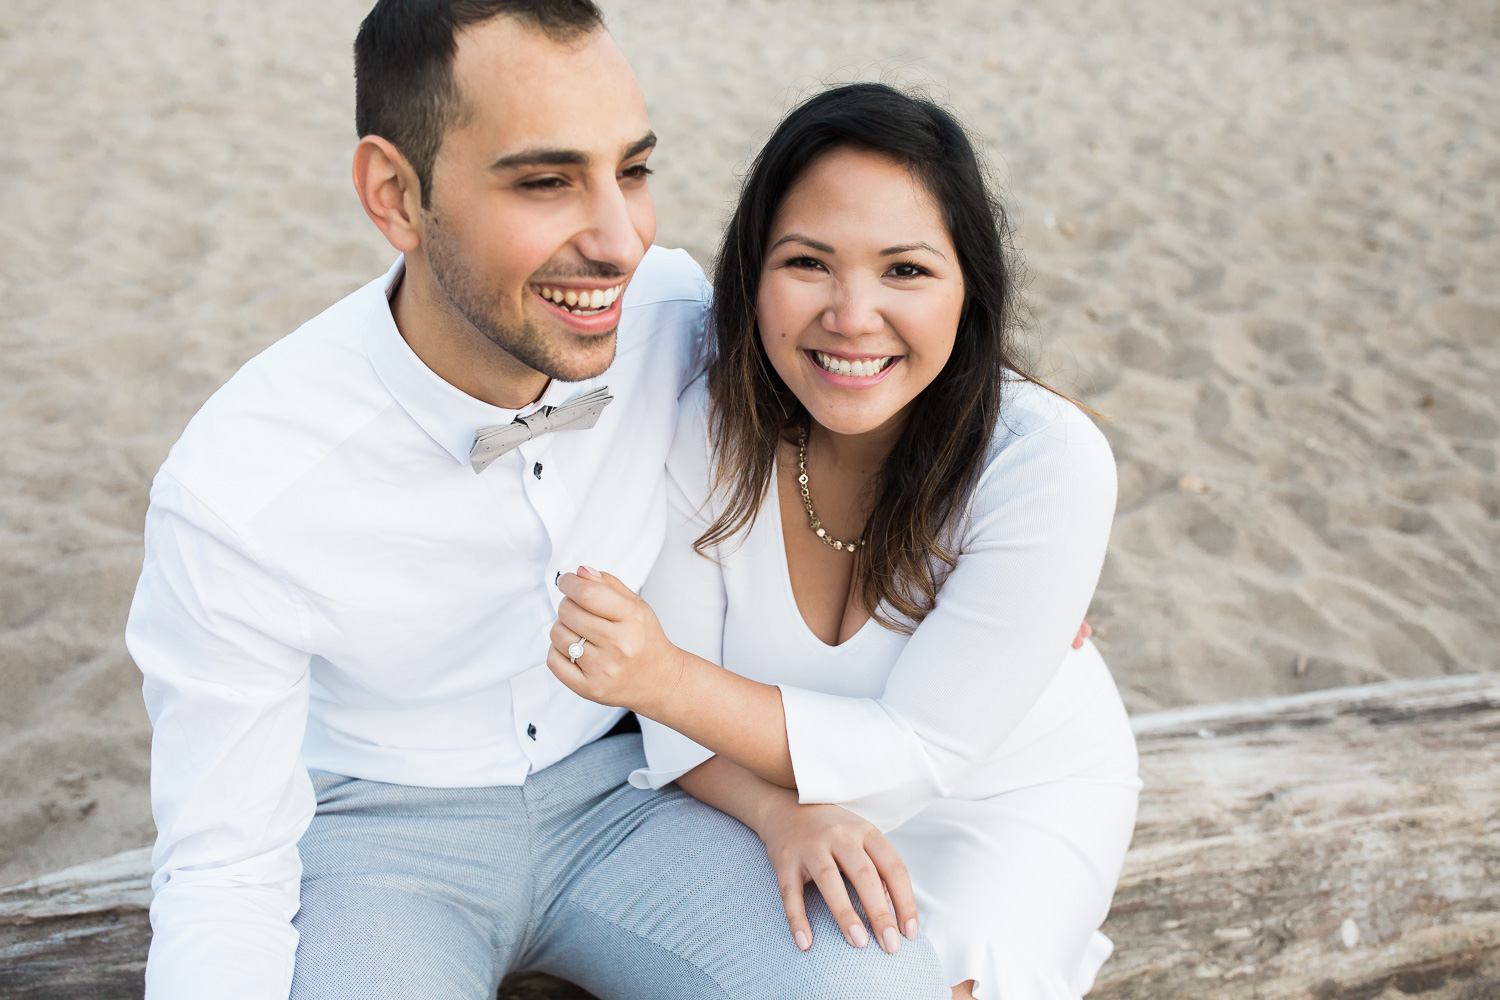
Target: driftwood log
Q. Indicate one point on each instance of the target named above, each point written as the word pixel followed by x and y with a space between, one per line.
pixel 1343 845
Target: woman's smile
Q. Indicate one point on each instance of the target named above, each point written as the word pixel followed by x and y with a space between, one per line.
pixel 862 372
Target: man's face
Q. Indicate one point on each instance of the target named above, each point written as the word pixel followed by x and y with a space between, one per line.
pixel 540 208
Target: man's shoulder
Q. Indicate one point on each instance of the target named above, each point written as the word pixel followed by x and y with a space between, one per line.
pixel 284 411
pixel 667 275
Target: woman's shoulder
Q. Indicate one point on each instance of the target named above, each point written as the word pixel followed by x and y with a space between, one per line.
pixel 1043 441
pixel 690 461
pixel 1035 415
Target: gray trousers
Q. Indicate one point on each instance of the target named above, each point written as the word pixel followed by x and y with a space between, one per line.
pixel 416 893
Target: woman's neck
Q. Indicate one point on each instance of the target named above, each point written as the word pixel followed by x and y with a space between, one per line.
pixel 863 453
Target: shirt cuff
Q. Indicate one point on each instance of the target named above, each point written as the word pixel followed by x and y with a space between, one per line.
pixel 669 755
pixel 857 753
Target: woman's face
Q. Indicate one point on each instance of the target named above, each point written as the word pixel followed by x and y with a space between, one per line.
pixel 861 292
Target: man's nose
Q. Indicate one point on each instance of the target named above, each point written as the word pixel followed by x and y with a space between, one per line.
pixel 610 236
pixel 854 311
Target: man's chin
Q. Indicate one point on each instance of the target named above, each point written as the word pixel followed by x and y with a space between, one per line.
pixel 585 360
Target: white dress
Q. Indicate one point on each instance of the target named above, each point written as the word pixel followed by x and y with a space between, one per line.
pixel 998 760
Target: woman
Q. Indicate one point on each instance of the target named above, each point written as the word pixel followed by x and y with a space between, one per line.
pixel 857 638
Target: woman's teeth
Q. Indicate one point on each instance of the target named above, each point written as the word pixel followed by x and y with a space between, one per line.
pixel 858 369
pixel 580 303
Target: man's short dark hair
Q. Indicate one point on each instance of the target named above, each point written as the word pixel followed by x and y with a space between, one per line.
pixel 404 89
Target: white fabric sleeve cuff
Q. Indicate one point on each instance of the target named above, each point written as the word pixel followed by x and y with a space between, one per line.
pixel 237 935
pixel 669 755
pixel 857 753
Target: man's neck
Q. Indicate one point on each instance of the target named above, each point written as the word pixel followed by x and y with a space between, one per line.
pixel 450 345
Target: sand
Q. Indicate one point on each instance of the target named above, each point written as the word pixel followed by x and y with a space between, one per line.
pixel 1262 238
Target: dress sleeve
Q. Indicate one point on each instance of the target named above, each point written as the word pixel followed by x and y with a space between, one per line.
pixel 221 643
pixel 1005 619
pixel 685 589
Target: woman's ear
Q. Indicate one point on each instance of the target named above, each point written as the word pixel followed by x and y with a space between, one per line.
pixel 390 192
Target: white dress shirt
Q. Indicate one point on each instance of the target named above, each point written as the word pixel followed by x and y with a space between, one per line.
pixel 328 584
pixel 986 695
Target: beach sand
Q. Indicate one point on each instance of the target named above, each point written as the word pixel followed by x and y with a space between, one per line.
pixel 1262 237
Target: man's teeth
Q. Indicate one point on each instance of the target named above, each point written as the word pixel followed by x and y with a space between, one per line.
pixel 580 302
pixel 859 369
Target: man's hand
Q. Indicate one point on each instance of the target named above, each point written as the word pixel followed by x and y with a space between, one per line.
pixel 824 844
pixel 627 660
pixel 1084 631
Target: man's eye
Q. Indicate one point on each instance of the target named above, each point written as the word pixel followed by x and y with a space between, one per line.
pixel 639 172
pixel 544 184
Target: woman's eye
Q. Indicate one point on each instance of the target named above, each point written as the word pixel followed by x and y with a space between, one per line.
pixel 909 271
pixel 805 263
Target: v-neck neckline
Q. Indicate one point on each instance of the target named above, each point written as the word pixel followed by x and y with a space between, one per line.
pixel 786 574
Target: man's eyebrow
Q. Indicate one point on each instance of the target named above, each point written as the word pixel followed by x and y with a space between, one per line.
pixel 645 142
pixel 806 241
pixel 909 247
pixel 542 157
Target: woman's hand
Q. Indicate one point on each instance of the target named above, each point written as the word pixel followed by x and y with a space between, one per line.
pixel 626 659
pixel 823 843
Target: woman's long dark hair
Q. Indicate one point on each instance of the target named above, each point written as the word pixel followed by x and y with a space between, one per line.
pixel 930 474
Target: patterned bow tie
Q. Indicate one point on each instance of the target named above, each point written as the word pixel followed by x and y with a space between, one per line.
pixel 577 414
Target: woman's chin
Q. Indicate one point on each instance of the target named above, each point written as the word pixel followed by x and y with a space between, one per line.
pixel 842 417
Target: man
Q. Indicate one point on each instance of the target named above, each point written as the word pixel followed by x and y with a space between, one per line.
pixel 366 781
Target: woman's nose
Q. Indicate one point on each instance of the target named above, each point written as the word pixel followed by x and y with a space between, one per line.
pixel 854 312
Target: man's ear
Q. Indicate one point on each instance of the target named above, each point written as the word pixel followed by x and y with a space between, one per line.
pixel 390 192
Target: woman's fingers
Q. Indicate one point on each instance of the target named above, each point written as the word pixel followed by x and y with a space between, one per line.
pixel 581 622
pixel 598 596
pixel 897 882
pixel 566 671
pixel 789 879
pixel 865 877
pixel 830 882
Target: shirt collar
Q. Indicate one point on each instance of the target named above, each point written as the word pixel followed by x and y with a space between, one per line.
pixel 449 415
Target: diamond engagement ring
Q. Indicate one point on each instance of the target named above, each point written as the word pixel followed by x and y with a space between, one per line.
pixel 576 650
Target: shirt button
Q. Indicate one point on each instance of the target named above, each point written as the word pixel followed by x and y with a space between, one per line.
pixel 536 470
pixel 531 730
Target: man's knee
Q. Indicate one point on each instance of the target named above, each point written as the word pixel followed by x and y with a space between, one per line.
pixel 836 971
pixel 358 940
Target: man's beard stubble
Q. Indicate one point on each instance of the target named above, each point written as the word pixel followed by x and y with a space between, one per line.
pixel 467 293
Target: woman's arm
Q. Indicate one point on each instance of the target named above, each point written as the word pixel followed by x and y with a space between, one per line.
pixel 1003 625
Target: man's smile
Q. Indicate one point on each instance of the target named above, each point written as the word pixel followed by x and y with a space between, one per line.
pixel 580 301
pixel 587 309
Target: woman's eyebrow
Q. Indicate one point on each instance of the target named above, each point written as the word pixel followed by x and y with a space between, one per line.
pixel 909 247
pixel 806 241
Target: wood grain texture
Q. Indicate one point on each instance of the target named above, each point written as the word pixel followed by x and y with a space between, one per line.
pixel 1343 845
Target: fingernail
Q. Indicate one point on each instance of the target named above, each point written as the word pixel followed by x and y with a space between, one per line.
pixel 892 940
pixel 858 936
pixel 590 572
pixel 803 941
pixel 911 928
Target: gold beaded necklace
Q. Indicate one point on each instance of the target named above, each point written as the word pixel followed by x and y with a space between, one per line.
pixel 812 518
